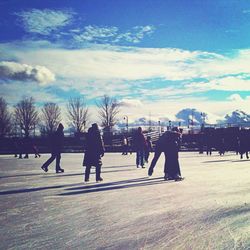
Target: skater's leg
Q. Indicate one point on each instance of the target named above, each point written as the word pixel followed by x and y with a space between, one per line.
pixel 154 161
pixel 87 173
pixel 169 168
pixel 47 163
pixel 172 167
pixel 137 158
pixel 166 167
pixel 58 158
pixel 142 157
pixel 58 167
pixel 126 150
pixel 98 173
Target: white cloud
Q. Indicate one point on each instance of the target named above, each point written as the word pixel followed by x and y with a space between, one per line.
pixel 94 33
pixel 238 102
pixel 47 21
pixel 13 92
pixel 120 71
pixel 235 97
pixel 98 70
pixel 112 35
pixel 24 72
pixel 235 64
pixel 130 103
pixel 44 21
pixel 228 83
pixel 170 92
pixel 167 109
pixel 112 63
pixel 136 34
pixel 97 88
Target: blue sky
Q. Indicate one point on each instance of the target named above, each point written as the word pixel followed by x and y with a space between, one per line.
pixel 155 56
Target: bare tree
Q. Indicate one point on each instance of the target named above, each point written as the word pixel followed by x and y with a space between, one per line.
pixel 50 117
pixel 26 115
pixel 78 113
pixel 108 110
pixel 5 118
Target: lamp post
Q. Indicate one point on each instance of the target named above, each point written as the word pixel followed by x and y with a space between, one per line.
pixel 159 123
pixel 126 118
pixel 202 131
pixel 192 121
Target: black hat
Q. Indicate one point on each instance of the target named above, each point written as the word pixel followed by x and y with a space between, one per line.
pixel 95 126
pixel 60 127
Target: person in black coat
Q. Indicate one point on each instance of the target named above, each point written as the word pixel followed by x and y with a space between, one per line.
pixel 20 148
pixel 93 153
pixel 27 147
pixel 56 144
pixel 15 146
pixel 169 144
pixel 139 143
pixel 209 143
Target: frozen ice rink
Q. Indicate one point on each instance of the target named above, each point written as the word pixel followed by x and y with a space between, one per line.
pixel 210 209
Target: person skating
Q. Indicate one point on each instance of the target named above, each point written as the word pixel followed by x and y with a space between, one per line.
pixel 26 147
pixel 15 147
pixel 56 144
pixel 209 143
pixel 222 148
pixel 93 152
pixel 139 145
pixel 169 144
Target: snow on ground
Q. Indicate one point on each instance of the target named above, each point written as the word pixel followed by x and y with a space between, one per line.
pixel 210 209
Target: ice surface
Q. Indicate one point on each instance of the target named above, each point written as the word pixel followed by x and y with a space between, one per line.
pixel 210 209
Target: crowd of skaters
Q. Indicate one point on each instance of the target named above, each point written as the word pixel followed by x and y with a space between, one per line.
pixel 94 151
pixel 22 146
pixel 168 143
pixel 238 141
